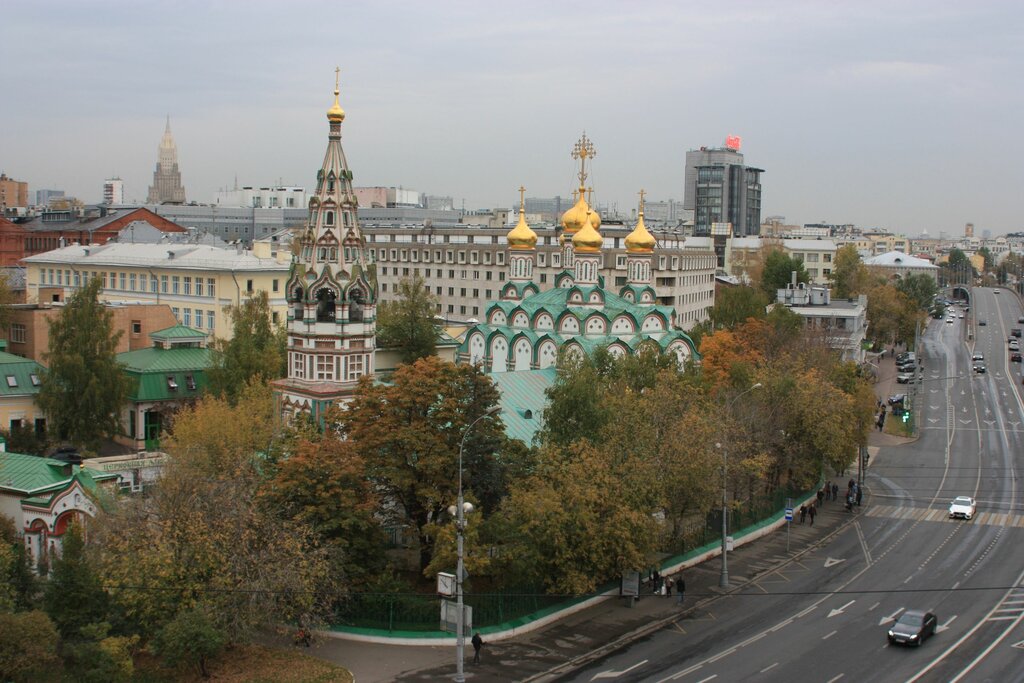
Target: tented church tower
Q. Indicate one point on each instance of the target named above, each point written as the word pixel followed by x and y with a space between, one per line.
pixel 331 292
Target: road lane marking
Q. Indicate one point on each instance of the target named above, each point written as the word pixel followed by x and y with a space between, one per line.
pixel 830 562
pixel 891 617
pixel 840 610
pixel 616 674
pixel 833 680
pixel 704 680
pixel 829 635
pixel 772 666
pixel 942 627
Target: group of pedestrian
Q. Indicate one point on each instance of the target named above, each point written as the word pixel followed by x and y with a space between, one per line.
pixel 663 585
pixel 809 511
pixel 854 495
pixel 829 492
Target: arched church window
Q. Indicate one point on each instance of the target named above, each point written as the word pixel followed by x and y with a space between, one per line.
pixel 321 253
pixel 325 306
pixel 333 255
pixel 298 308
pixel 330 183
pixel 329 219
pixel 355 306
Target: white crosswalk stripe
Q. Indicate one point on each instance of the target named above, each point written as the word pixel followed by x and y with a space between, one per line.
pixel 940 515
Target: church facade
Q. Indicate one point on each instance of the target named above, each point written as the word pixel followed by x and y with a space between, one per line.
pixel 526 328
pixel 331 292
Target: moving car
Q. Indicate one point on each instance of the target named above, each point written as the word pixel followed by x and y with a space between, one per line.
pixel 1015 332
pixel 977 356
pixel 897 399
pixel 905 378
pixel 950 320
pixel 982 323
pixel 1014 345
pixel 961 316
pixel 979 368
pixel 1014 357
pixel 913 627
pixel 962 506
pixel 1020 320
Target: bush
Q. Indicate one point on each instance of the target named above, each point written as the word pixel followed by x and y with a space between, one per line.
pixel 192 638
pixel 28 648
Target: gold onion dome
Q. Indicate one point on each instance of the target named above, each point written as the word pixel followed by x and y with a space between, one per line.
pixel 336 113
pixel 587 240
pixel 595 219
pixel 640 240
pixel 521 236
pixel 572 220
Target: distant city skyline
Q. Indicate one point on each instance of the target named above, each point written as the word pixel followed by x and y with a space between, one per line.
pixel 893 115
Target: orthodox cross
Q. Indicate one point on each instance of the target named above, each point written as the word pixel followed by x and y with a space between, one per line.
pixel 583 150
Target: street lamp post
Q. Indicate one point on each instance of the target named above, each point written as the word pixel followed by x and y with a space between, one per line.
pixel 460 525
pixel 723 579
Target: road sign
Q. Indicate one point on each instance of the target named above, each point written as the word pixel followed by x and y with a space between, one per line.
pixel 789 514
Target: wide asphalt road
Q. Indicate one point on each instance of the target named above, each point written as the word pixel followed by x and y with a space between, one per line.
pixel 824 617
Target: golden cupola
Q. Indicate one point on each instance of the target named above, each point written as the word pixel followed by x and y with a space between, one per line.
pixel 595 217
pixel 522 237
pixel 640 241
pixel 572 220
pixel 336 113
pixel 587 240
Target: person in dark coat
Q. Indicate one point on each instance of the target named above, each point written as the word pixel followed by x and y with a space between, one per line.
pixel 680 589
pixel 478 643
pixel 811 511
pixel 803 514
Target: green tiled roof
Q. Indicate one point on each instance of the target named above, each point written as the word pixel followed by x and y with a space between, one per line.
pixel 523 400
pixel 177 332
pixel 21 369
pixel 33 475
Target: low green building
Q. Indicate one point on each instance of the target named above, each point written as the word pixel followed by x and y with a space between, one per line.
pixel 169 374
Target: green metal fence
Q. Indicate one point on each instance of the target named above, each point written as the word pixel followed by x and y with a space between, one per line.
pixel 417 612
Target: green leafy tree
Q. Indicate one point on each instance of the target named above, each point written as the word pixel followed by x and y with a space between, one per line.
pixel 74 596
pixel 6 299
pixel 574 410
pixel 18 585
pixel 256 349
pixel 97 657
pixel 778 272
pixel 408 323
pixel 919 288
pixel 957 269
pixel 734 305
pixel 409 434
pixel 28 648
pixel 83 387
pixel 990 261
pixel 849 275
pixel 192 638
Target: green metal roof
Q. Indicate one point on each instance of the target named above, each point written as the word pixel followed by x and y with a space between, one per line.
pixel 30 474
pixel 163 374
pixel 523 400
pixel 165 360
pixel 18 371
pixel 177 332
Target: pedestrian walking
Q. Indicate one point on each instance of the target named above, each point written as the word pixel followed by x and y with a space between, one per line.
pixel 859 495
pixel 668 586
pixel 803 513
pixel 820 496
pixel 812 512
pixel 835 491
pixel 478 643
pixel 680 589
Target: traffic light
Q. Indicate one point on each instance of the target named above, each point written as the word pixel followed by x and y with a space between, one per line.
pixel 906 415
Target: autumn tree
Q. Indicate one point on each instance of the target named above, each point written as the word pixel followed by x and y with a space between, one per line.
pixel 574 409
pixel 726 359
pixel 28 648
pixel 849 276
pixel 83 388
pixel 409 433
pixel 574 525
pixel 256 348
pixel 6 299
pixel 324 486
pixel 891 315
pixel 408 322
pixel 778 272
pixel 204 536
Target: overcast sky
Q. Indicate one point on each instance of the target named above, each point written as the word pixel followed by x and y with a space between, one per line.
pixel 901 115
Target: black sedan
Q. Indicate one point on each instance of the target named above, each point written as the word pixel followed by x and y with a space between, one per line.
pixel 913 627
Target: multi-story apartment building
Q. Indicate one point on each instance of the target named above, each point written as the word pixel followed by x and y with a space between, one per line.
pixel 817 255
pixel 464 267
pixel 197 281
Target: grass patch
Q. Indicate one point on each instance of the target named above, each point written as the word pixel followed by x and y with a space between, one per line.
pixel 249 664
pixel 897 427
